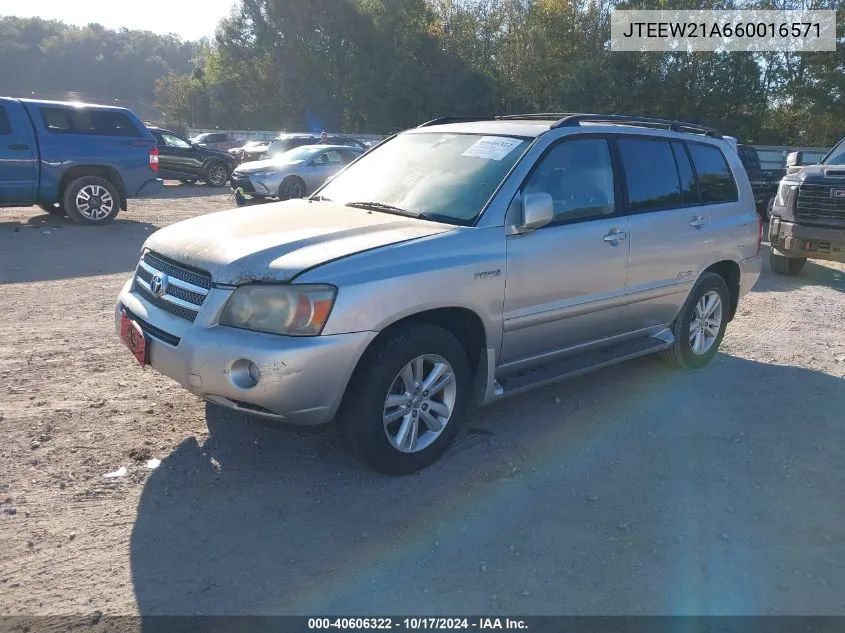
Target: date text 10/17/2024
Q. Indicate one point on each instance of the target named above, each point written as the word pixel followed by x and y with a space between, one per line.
pixel 417 624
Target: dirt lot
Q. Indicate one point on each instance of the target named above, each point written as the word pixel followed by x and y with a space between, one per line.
pixel 633 490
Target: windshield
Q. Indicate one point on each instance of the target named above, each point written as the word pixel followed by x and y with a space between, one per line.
pixel 296 155
pixel 448 177
pixel 837 155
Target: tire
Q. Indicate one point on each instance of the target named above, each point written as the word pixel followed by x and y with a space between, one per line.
pixel 216 174
pixel 53 209
pixel 291 188
pixel 682 353
pixel 379 374
pixel 783 265
pixel 101 205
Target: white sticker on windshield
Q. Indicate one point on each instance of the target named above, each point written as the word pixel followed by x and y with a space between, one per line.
pixel 491 147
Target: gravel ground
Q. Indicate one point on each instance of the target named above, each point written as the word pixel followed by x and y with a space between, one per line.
pixel 634 490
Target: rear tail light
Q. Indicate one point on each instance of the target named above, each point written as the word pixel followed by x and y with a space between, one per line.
pixel 154 159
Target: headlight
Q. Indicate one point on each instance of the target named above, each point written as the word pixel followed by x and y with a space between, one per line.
pixel 264 173
pixel 786 195
pixel 280 309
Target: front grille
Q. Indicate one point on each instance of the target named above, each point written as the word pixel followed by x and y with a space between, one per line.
pixel 183 289
pixel 816 202
pixel 243 183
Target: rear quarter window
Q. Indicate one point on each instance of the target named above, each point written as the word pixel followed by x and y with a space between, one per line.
pixel 5 124
pixel 89 121
pixel 715 180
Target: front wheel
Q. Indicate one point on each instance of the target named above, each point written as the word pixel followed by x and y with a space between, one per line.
pixel 783 265
pixel 216 174
pixel 91 200
pixel 701 323
pixel 291 188
pixel 407 398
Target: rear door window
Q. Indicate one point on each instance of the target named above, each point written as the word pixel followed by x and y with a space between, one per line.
pixel 651 176
pixel 90 121
pixel 715 179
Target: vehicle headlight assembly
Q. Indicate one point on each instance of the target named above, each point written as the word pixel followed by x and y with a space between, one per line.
pixel 786 195
pixel 264 173
pixel 289 310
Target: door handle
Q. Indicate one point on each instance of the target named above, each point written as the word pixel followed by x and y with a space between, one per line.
pixel 697 222
pixel 614 238
pixel 18 146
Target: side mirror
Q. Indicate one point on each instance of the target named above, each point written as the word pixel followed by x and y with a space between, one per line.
pixel 794 159
pixel 537 211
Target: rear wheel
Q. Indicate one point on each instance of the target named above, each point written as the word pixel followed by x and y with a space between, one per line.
pixel 91 200
pixel 783 265
pixel 700 325
pixel 53 209
pixel 406 399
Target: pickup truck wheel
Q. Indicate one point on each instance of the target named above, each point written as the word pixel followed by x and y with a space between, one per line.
pixel 783 265
pixel 91 200
pixel 216 174
pixel 407 398
pixel 700 325
pixel 53 209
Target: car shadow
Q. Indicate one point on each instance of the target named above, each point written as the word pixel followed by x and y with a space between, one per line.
pixel 176 190
pixel 673 492
pixel 49 247
pixel 814 273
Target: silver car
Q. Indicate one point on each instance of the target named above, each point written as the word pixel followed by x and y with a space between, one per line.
pixel 293 174
pixel 455 264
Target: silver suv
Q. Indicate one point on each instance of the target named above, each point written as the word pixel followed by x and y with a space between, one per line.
pixel 458 262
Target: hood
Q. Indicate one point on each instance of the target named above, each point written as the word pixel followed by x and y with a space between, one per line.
pixel 277 241
pixel 269 163
pixel 828 174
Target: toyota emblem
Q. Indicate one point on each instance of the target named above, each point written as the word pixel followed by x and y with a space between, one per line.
pixel 158 285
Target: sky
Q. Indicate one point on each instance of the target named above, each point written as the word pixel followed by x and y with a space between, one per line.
pixel 190 19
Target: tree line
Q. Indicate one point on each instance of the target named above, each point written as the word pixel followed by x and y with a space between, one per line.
pixel 377 66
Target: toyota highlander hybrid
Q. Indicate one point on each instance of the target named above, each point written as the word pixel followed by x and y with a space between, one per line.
pixel 456 263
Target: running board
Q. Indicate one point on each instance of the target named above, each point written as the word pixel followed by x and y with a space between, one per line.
pixel 572 366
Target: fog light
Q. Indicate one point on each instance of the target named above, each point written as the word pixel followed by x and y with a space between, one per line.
pixel 244 374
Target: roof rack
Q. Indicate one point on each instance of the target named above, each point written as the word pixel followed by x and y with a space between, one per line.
pixel 539 115
pixel 455 119
pixel 574 120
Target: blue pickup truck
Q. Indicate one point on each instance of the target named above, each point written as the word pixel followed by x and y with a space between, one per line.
pixel 81 160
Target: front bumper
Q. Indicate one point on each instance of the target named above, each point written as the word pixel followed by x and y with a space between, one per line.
pixel 799 240
pixel 253 186
pixel 302 379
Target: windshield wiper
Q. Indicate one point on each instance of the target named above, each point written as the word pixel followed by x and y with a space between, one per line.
pixel 387 208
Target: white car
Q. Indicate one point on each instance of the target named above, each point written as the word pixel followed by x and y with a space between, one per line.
pixel 294 174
